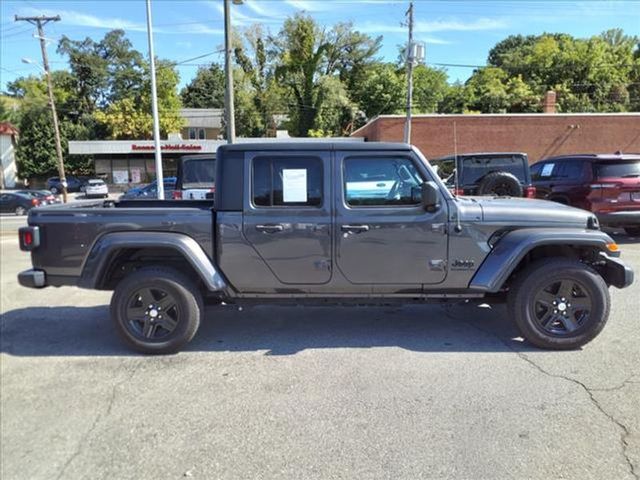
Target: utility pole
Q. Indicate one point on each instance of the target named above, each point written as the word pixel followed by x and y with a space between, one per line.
pixel 228 93
pixel 40 22
pixel 410 60
pixel 154 107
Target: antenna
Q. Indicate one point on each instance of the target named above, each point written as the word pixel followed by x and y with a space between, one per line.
pixel 458 227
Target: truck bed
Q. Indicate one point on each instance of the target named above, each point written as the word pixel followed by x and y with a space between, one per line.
pixel 68 232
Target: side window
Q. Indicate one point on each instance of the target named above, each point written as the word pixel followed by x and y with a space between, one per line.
pixel 287 182
pixel 446 171
pixel 571 170
pixel 535 171
pixel 380 181
pixel 547 171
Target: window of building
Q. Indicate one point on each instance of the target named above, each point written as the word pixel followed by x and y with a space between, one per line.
pixel 287 182
pixel 380 181
pixel 193 132
pixel 201 134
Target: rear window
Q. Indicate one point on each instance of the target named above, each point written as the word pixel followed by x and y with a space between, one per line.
pixel 198 173
pixel 96 182
pixel 620 169
pixel 474 168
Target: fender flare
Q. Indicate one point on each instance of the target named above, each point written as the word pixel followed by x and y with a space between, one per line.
pixel 512 248
pixel 97 261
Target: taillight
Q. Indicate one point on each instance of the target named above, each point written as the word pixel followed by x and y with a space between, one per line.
pixel 530 192
pixel 35 202
pixel 177 195
pixel 29 238
pixel 458 191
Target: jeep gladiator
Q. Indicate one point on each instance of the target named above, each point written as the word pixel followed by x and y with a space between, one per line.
pixel 329 223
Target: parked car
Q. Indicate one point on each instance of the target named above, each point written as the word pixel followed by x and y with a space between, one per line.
pixel 18 203
pixel 502 174
pixel 151 190
pixel 291 223
pixel 196 177
pixel 74 184
pixel 96 188
pixel 607 185
pixel 45 196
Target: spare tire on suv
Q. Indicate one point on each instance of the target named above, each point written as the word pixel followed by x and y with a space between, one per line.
pixel 503 184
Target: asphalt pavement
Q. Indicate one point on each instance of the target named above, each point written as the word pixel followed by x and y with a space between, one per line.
pixel 303 393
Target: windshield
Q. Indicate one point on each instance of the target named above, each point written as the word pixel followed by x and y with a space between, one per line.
pixel 618 169
pixel 474 168
pixel 96 183
pixel 198 173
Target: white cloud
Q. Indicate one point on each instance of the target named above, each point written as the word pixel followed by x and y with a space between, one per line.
pixel 71 17
pixel 310 5
pixel 459 26
pixel 433 26
pixel 239 19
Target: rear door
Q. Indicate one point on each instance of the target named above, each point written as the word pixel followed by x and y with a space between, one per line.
pixel 287 217
pixel 383 236
pixel 619 184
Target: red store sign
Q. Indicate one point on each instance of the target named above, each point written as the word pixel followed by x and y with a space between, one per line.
pixel 169 146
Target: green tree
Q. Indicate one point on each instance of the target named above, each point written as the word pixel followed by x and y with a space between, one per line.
pixel 306 54
pixel 130 117
pixel 380 91
pixel 206 89
pixel 429 88
pixel 262 96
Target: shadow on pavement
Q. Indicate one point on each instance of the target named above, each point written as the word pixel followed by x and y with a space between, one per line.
pixel 87 331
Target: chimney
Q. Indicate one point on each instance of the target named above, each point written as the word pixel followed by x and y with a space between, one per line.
pixel 549 103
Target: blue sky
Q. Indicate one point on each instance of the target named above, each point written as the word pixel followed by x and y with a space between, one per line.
pixel 455 32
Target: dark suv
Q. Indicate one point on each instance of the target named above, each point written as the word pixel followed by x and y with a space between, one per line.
pixel 74 184
pixel 503 174
pixel 607 185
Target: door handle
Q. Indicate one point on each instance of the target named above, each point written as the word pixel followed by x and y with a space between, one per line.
pixel 355 228
pixel 270 228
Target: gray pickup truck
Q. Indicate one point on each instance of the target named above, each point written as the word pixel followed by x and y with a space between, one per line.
pixel 341 223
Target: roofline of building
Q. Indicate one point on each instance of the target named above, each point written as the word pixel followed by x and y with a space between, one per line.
pixel 122 147
pixel 484 115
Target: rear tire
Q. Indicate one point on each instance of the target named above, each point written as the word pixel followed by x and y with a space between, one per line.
pixel 632 231
pixel 581 307
pixel 55 190
pixel 156 310
pixel 501 184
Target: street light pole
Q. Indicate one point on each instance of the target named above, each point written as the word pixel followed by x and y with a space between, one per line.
pixel 39 22
pixel 410 60
pixel 228 93
pixel 154 104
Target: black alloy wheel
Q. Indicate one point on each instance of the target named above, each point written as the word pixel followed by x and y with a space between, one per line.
pixel 561 308
pixel 157 310
pixel 559 303
pixel 152 313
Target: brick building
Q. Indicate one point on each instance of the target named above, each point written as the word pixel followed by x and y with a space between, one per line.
pixel 540 135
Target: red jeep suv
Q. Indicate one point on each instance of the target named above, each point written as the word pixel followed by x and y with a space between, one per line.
pixel 607 185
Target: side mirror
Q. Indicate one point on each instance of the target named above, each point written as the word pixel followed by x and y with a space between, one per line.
pixel 430 196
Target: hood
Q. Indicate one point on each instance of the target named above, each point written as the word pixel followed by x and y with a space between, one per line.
pixel 525 211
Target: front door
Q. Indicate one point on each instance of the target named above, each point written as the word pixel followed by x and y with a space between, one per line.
pixel 383 235
pixel 287 218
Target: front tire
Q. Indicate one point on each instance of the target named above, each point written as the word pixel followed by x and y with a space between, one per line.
pixel 559 303
pixel 20 210
pixel 156 310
